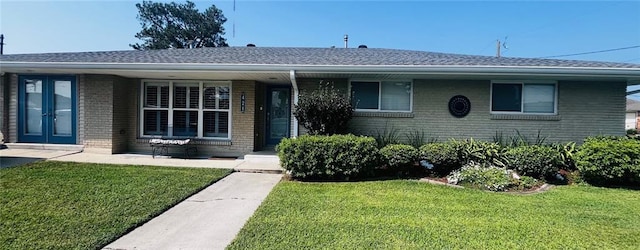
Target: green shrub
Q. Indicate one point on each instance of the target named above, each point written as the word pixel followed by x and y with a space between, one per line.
pixel 519 139
pixel 632 131
pixel 481 152
pixel 610 161
pixel 567 155
pixel 328 157
pixel 442 155
pixel 417 138
pixel 453 154
pixel 324 111
pixel 399 157
pixel 387 135
pixel 535 161
pixel 490 177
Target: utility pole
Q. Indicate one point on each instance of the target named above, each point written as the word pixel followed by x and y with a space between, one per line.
pixel 1 44
pixel 498 48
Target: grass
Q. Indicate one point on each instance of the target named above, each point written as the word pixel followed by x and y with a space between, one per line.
pixel 63 205
pixel 414 215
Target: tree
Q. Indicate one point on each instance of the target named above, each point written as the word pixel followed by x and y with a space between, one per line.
pixel 172 25
pixel 324 111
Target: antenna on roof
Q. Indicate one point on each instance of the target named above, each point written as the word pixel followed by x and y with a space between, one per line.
pixel 234 19
pixel 504 45
pixel 1 44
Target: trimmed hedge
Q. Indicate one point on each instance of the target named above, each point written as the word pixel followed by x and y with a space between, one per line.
pixel 328 157
pixel 610 161
pixel 443 156
pixel 535 161
pixel 399 157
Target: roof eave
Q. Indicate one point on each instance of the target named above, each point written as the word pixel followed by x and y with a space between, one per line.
pixel 631 74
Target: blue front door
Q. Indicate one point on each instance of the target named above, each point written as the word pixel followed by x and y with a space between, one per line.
pixel 278 114
pixel 47 109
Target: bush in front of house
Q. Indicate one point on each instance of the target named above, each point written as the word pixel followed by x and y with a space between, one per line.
pixel 399 157
pixel 567 153
pixel 490 177
pixel 335 157
pixel 453 154
pixel 610 161
pixel 442 155
pixel 482 152
pixel 536 161
pixel 324 111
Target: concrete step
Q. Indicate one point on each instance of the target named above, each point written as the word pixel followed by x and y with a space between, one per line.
pixel 260 157
pixel 42 146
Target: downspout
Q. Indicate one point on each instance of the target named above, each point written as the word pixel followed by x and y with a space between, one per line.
pixel 292 76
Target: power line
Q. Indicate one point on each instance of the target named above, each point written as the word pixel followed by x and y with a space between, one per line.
pixel 593 52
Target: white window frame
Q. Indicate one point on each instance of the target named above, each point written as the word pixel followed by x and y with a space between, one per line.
pixel 523 83
pixel 380 96
pixel 200 109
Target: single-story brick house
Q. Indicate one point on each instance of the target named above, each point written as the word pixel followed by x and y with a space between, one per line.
pixel 236 100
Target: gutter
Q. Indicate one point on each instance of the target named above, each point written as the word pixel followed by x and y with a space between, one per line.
pixel 302 69
pixel 294 83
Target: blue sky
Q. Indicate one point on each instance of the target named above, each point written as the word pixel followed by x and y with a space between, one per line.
pixel 530 28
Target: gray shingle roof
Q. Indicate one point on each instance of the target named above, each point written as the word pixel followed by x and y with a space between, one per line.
pixel 303 56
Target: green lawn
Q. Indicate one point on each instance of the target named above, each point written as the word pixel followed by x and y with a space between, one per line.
pixel 62 205
pixel 413 215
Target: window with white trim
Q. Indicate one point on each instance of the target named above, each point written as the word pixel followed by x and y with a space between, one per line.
pixel 382 95
pixel 186 109
pixel 523 97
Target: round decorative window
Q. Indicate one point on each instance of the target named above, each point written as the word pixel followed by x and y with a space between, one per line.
pixel 459 106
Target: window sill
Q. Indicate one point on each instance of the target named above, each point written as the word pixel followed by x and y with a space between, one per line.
pixel 525 117
pixel 383 114
pixel 196 141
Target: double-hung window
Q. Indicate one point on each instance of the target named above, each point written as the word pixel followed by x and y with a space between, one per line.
pixel 382 95
pixel 524 97
pixel 186 109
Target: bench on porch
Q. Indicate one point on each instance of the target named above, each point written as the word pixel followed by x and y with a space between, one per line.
pixel 161 146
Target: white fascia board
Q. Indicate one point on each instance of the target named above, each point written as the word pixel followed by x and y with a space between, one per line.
pixel 633 74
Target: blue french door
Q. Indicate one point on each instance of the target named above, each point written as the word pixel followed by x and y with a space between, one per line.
pixel 47 109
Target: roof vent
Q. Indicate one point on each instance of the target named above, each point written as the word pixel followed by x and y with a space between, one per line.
pixel 251 45
pixel 362 46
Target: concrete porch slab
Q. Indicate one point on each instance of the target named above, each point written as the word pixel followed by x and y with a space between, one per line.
pixel 144 159
pixel 15 156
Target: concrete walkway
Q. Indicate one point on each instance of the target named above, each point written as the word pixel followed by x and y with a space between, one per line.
pixel 209 219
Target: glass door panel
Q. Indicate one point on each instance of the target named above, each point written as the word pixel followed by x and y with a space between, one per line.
pixel 33 107
pixel 62 122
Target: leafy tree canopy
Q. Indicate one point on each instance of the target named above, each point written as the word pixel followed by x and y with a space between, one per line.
pixel 172 25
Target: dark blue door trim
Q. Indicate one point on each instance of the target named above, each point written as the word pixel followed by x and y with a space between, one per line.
pixel 46 111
